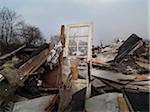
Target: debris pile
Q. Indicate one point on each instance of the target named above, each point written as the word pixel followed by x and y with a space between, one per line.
pixel 127 73
pixel 132 57
pixel 29 74
pixel 38 79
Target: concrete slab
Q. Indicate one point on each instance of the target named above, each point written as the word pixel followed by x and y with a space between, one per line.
pixel 34 105
pixel 103 103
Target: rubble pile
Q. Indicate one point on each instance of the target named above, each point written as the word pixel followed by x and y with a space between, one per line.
pixel 24 74
pixel 132 57
pixel 127 74
pixel 31 79
pixel 37 79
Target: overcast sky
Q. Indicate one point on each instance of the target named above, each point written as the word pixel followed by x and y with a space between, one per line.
pixel 111 18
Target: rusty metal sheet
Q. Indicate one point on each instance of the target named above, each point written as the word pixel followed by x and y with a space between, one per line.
pixel 51 78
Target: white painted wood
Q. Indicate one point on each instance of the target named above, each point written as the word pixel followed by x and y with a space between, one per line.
pixel 89 37
pixel 90 40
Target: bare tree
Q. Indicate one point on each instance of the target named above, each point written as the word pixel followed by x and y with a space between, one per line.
pixel 13 31
pixel 9 25
pixel 32 35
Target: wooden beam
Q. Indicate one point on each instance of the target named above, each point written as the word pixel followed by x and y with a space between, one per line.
pixel 11 53
pixel 33 64
pixel 122 104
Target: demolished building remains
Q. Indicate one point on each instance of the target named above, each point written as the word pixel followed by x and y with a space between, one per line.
pixel 64 77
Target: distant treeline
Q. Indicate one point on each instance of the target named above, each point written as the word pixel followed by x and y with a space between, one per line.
pixel 15 32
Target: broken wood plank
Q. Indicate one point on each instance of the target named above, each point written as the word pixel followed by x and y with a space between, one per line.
pixel 31 65
pixel 144 65
pixel 142 60
pixel 64 93
pixel 11 53
pixel 109 75
pixel 119 86
pixel 34 63
pixel 35 53
pixel 135 77
pixel 137 88
pixel 127 100
pixel 122 104
pixel 141 83
pixel 98 83
pixel 52 103
pixel 113 84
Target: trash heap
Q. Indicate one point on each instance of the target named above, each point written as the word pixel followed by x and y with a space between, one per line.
pixel 127 74
pixel 32 79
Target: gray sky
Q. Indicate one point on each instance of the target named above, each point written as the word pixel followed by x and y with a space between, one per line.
pixel 111 18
